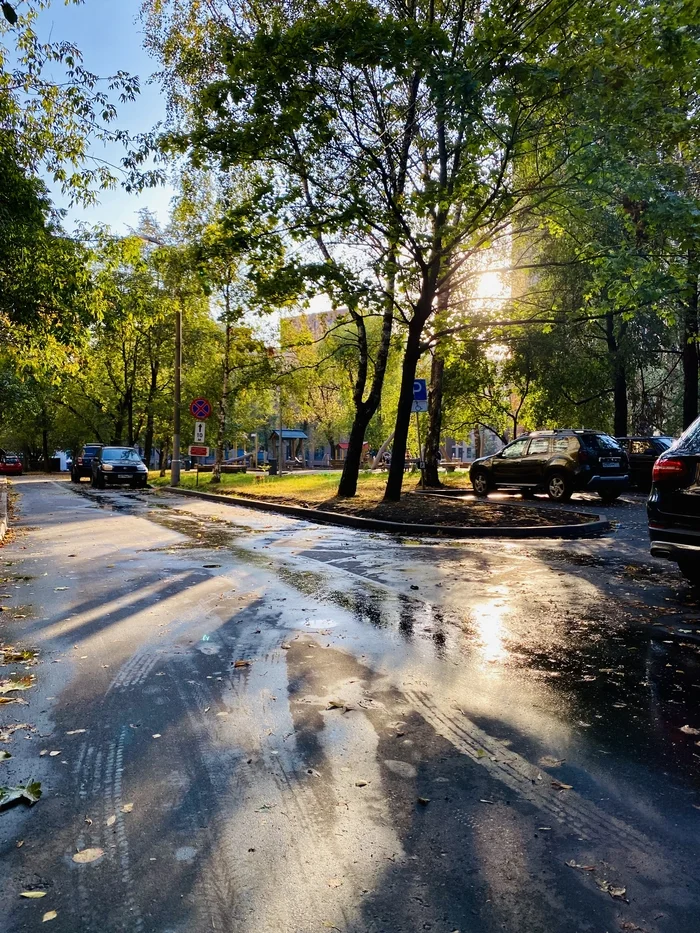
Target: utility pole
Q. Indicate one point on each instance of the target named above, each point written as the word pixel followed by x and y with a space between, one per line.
pixel 175 465
pixel 281 460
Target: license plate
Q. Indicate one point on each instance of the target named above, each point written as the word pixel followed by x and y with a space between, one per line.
pixel 610 463
pixel 124 476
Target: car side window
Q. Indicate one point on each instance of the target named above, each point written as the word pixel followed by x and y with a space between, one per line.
pixel 641 447
pixel 562 444
pixel 538 445
pixel 516 449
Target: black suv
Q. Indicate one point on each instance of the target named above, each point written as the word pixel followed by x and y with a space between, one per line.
pixel 673 507
pixel 82 465
pixel 643 453
pixel 557 462
pixel 119 465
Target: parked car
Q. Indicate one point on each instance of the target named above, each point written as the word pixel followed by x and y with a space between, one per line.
pixel 556 462
pixel 643 453
pixel 82 464
pixel 119 465
pixel 10 465
pixel 673 507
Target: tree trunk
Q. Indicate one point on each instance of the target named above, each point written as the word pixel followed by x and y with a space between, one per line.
pixel 403 414
pixel 163 458
pixel 690 343
pixel 382 450
pixel 45 442
pixel 432 441
pixel 351 467
pixel 130 416
pixel 223 406
pixel 150 416
pixel 620 416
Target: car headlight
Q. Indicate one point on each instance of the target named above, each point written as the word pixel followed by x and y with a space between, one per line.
pixel 142 468
pixel 107 467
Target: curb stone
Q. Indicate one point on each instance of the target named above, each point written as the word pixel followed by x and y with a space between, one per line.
pixel 598 526
pixel 4 522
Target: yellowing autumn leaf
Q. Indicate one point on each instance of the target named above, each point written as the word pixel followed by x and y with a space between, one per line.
pixel 88 855
pixel 111 821
pixel 49 915
pixel 127 808
pixel 33 894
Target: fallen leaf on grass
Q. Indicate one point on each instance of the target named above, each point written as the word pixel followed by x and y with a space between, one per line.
pixel 33 894
pixel 242 663
pixel 689 730
pixel 88 855
pixel 28 793
pixel 127 808
pixel 557 785
pixel 574 864
pixel 111 820
pixel 49 915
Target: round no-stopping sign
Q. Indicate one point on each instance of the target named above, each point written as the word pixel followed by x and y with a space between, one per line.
pixel 200 408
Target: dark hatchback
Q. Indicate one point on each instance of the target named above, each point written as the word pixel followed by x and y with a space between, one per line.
pixel 119 466
pixel 556 462
pixel 643 452
pixel 673 507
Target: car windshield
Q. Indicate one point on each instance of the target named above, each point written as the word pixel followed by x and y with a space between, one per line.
pixel 663 442
pixel 121 453
pixel 91 451
pixel 11 459
pixel 601 443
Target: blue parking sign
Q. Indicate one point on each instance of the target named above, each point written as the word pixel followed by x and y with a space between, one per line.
pixel 420 395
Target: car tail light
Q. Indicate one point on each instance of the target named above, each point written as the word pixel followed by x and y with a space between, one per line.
pixel 670 468
pixel 80 461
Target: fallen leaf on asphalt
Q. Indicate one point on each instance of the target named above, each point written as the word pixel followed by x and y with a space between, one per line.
pixel 88 821
pixel 544 829
pixel 20 843
pixel 4 755
pixel 127 808
pixel 76 731
pixel 617 892
pixel 33 894
pixel 111 820
pixel 43 752
pixel 53 754
pixel 156 735
pixel 335 704
pixel 285 647
pixel 482 800
pixel 242 663
pixel 334 883
pixel 57 589
pixel 50 914
pixel 424 801
pixel 574 864
pixel 18 683
pixel 361 783
pixel 88 855
pixel 689 730
pixel 557 785
pixel 28 793
pixel 549 762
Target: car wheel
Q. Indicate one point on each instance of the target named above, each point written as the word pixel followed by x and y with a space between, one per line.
pixel 74 478
pixel 690 568
pixel 607 498
pixel 559 487
pixel 481 483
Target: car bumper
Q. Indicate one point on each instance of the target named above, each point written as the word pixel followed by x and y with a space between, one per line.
pixel 117 479
pixel 618 483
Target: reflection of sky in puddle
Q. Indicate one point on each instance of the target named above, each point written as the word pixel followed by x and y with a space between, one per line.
pixel 488 620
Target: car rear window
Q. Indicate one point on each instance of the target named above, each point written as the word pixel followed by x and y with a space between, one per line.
pixel 91 450
pixel 601 443
pixel 689 441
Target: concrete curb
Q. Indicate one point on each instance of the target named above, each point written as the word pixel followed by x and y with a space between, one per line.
pixel 4 521
pixel 587 530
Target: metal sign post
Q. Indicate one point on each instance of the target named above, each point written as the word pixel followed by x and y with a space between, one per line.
pixel 420 404
pixel 200 409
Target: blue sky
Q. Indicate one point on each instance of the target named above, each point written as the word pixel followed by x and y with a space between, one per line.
pixel 109 35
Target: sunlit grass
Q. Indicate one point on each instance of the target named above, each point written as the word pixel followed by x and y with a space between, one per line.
pixel 306 487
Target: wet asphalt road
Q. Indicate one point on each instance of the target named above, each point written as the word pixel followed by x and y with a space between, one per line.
pixel 533 693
